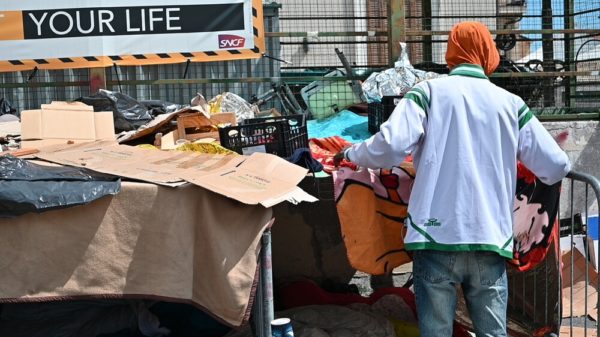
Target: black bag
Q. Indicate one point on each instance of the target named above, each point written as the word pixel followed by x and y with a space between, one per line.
pixel 27 187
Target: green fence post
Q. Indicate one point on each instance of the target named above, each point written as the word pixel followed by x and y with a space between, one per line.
pixel 396 28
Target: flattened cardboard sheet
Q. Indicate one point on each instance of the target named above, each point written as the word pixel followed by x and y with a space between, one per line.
pixel 258 179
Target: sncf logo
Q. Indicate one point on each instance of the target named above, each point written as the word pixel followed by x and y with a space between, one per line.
pixel 231 41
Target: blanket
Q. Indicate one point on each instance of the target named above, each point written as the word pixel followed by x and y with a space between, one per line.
pixel 372 206
pixel 183 244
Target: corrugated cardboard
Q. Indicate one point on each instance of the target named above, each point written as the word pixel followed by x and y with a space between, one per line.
pixel 582 289
pixel 31 124
pixel 258 179
pixel 194 126
pixel 165 125
pixel 65 122
pixel 262 178
pixel 168 140
pixel 577 331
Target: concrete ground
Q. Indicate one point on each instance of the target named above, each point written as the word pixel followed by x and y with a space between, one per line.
pixel 367 284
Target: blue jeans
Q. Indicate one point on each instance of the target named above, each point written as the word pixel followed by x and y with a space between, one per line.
pixel 482 276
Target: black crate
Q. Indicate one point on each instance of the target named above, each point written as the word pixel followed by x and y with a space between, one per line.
pixel 280 136
pixel 379 112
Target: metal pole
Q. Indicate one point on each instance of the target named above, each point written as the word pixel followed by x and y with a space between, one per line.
pixel 396 28
pixel 548 51
pixel 116 68
pixel 258 310
pixel 594 184
pixel 266 284
pixel 570 82
pixel 187 67
pixel 426 25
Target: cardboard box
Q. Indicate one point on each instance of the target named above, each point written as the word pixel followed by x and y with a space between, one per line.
pixel 190 128
pixel 165 124
pixel 583 289
pixel 258 179
pixel 194 126
pixel 65 122
pixel 577 331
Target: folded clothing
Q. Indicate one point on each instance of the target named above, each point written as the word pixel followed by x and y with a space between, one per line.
pixel 302 157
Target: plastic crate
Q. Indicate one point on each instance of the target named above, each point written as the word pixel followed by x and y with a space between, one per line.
pixel 280 136
pixel 326 97
pixel 379 112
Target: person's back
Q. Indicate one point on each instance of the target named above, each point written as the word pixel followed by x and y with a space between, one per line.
pixel 466 136
pixel 466 164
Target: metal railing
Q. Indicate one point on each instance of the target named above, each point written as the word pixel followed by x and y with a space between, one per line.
pixel 545 301
pixel 581 184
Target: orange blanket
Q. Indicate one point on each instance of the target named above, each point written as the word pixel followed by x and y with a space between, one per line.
pixel 372 206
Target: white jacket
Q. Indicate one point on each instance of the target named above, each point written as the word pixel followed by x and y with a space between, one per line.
pixel 465 135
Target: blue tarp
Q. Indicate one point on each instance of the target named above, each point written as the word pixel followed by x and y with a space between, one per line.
pixel 345 124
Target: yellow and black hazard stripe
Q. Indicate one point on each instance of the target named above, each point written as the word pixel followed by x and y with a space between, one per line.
pixel 15 33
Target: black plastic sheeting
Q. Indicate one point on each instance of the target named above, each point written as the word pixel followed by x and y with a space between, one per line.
pixel 128 113
pixel 27 187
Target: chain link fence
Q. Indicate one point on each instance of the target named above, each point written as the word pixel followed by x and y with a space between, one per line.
pixel 550 56
pixel 549 50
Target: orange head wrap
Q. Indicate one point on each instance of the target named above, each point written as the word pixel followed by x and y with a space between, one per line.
pixel 471 42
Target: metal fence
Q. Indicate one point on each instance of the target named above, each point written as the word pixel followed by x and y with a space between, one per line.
pixel 549 50
pixel 176 83
pixel 546 302
pixel 550 55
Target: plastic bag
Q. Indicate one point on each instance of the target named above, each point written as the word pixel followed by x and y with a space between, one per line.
pixel 128 114
pixel 157 107
pixel 395 81
pixel 27 187
pixel 230 102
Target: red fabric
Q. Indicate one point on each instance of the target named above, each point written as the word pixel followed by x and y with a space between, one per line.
pixel 536 224
pixel 524 173
pixel 323 150
pixel 471 42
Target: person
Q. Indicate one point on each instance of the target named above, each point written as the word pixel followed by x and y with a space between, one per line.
pixel 465 135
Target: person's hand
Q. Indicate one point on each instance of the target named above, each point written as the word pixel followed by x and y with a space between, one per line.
pixel 337 159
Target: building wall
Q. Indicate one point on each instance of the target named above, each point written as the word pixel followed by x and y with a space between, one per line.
pixel 377 53
pixel 458 8
pixel 496 14
pixel 314 52
pixel 583 148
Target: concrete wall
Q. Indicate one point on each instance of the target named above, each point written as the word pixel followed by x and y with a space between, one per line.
pixel 583 148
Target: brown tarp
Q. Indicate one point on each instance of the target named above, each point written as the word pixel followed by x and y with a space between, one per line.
pixel 183 244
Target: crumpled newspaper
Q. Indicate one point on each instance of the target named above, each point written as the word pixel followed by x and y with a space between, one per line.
pixel 395 81
pixel 230 102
